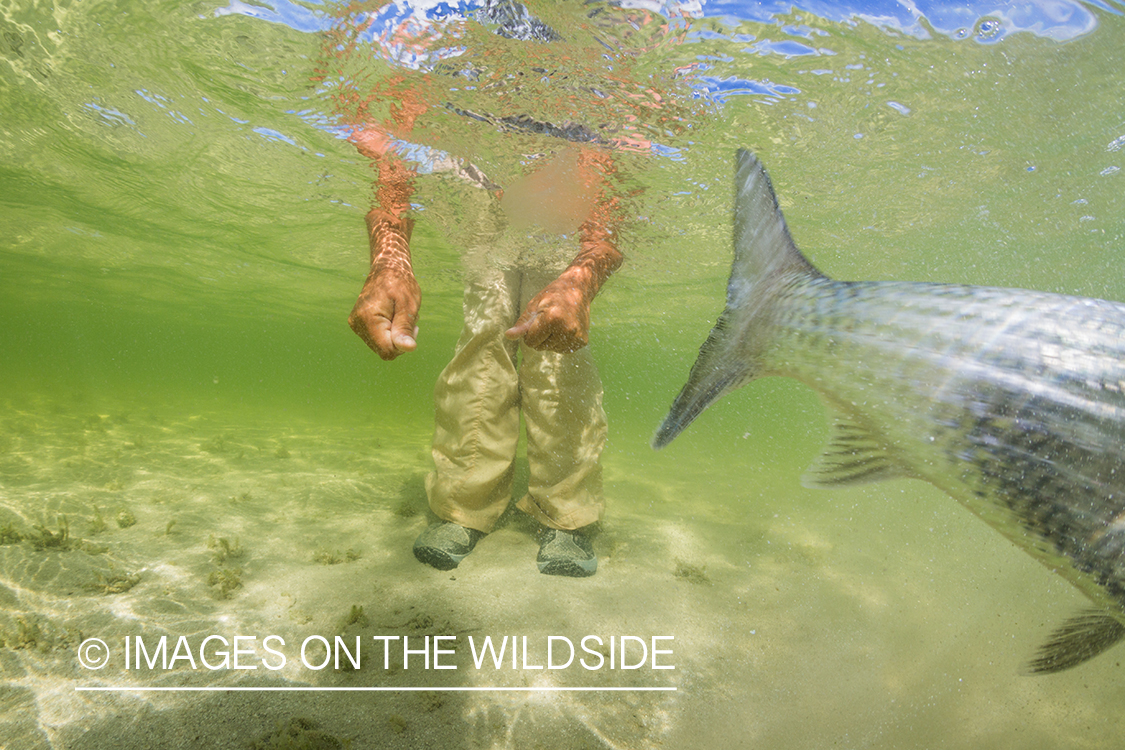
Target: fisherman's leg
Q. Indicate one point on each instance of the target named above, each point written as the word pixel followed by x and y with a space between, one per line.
pixel 477 415
pixel 477 424
pixel 561 399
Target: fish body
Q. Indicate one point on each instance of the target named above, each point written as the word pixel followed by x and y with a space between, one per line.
pixel 1011 401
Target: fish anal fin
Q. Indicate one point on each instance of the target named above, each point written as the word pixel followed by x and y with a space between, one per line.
pixel 1082 637
pixel 853 456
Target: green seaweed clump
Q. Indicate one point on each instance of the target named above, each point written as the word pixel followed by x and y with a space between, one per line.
pixel 43 538
pixel 47 539
pixel 222 549
pixel 98 524
pixel 397 723
pixel 327 557
pixel 406 509
pixel 27 635
pixel 116 583
pixel 691 573
pixel 355 617
pixel 225 581
pixel 299 734
pixel 215 445
pixel 9 534
pixel 125 519
pixel 431 701
pixel 33 632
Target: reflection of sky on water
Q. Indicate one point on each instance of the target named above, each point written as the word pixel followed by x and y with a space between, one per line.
pixel 984 22
pixel 1061 20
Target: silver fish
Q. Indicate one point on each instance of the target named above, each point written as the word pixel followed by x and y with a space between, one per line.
pixel 1010 401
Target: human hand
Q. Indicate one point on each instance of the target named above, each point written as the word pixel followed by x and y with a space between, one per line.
pixel 385 314
pixel 558 318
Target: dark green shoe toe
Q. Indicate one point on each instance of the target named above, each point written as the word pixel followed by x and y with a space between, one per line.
pixel 445 544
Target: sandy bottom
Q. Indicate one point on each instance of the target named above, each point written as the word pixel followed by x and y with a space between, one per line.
pixel 880 617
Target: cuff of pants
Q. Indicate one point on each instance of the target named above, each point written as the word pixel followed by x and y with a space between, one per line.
pixel 572 510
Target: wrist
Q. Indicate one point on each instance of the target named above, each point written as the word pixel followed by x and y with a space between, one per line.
pixel 580 278
pixel 594 265
pixel 389 237
pixel 388 266
pixel 382 221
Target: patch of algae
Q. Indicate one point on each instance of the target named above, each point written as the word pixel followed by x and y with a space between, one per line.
pixel 222 549
pixel 354 617
pixel 225 581
pixel 42 538
pixel 9 534
pixel 300 734
pixel 691 573
pixel 35 633
pixel 328 557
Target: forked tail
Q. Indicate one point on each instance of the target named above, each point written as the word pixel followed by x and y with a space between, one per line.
pixel 764 258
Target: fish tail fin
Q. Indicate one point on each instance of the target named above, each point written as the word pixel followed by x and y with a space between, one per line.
pixel 764 256
pixel 1082 637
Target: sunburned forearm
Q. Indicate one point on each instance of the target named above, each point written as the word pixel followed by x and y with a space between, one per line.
pixel 386 312
pixel 394 185
pixel 596 261
pixel 389 238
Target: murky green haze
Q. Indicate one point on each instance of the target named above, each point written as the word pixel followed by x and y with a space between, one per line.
pixel 182 238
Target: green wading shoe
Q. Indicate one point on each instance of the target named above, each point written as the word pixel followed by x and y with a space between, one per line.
pixel 566 553
pixel 445 544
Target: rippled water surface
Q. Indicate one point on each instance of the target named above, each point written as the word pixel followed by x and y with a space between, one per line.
pixel 192 441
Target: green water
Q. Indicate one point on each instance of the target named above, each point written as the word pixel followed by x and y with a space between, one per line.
pixel 176 369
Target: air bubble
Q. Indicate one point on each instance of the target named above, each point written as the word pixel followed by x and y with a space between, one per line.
pixel 988 29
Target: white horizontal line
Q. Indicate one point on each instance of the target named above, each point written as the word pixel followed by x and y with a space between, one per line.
pixel 310 689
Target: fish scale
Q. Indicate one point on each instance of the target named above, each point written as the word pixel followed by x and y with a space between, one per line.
pixel 1011 401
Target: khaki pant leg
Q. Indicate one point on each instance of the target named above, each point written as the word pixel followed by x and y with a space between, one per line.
pixel 561 397
pixel 477 404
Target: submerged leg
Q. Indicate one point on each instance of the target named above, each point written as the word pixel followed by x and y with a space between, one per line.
pixel 477 411
pixel 561 398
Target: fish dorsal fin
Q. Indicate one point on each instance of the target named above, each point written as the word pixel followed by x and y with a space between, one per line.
pixel 853 456
pixel 763 248
pixel 1082 637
